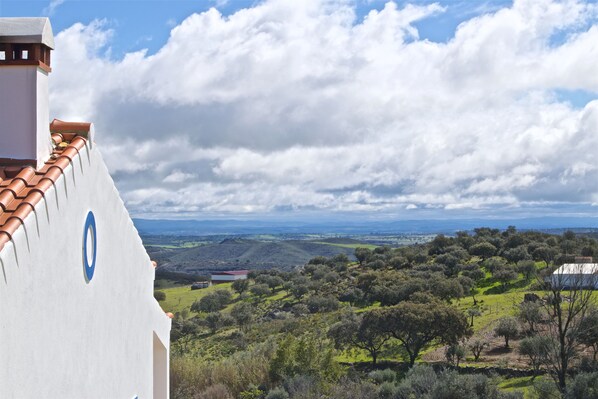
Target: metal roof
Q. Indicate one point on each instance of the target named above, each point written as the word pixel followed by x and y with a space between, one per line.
pixel 577 268
pixel 26 31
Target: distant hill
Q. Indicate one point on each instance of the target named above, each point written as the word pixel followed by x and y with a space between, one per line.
pixel 350 226
pixel 241 253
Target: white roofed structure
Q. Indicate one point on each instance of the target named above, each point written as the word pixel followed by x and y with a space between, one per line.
pixel 576 275
pixel 78 318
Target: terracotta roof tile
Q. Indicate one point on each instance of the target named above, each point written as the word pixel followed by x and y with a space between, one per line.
pixel 56 138
pixel 22 187
pixel 34 180
pixel 69 129
pixel 4 238
pixel 12 171
pixel 4 217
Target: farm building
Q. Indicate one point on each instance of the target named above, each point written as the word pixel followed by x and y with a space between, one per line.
pixel 229 276
pixel 77 314
pixel 576 275
pixel 198 285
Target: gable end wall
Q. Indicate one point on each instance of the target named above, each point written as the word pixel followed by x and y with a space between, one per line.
pixel 64 337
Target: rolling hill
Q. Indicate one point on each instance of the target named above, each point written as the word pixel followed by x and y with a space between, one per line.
pixel 240 253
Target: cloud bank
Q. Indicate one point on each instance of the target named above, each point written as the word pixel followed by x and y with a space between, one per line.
pixel 301 105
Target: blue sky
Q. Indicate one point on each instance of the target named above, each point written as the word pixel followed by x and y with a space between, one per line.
pixel 140 24
pixel 283 108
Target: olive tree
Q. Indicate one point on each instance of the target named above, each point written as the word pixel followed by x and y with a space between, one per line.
pixel 417 323
pixel 507 328
pixel 361 332
pixel 212 302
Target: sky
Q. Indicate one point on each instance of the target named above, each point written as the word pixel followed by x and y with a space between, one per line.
pixel 334 108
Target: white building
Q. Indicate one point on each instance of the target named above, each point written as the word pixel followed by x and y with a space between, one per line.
pixel 228 276
pixel 576 275
pixel 77 313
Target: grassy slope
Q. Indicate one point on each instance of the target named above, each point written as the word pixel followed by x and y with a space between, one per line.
pixel 493 302
pixel 182 297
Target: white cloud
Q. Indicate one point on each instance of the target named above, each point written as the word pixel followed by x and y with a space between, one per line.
pixel 51 8
pixel 178 176
pixel 300 105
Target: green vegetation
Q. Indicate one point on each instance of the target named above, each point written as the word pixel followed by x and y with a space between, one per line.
pixel 181 298
pixel 354 245
pixel 435 320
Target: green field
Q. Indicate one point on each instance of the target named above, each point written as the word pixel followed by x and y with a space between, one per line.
pixel 368 246
pixel 179 298
pixel 188 244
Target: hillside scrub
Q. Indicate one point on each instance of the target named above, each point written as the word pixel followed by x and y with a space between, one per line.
pixel 321 328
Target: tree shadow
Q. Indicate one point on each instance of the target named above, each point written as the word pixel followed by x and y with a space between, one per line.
pixel 500 350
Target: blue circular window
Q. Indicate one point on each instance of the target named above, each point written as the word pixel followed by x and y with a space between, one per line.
pixel 89 246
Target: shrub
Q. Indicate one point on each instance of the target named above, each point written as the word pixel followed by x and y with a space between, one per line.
pixel 331 277
pixel 271 281
pixel 583 386
pixel 422 382
pixel 260 290
pixel 217 391
pixel 307 355
pixel 277 393
pixel 213 321
pixel 213 302
pixel 483 249
pixel 451 385
pixel 353 295
pixel 546 389
pixel 527 268
pixel 380 376
pixel 299 309
pixel 387 390
pixel 536 349
pixel 517 254
pixel 240 286
pixel 252 393
pixel 362 254
pixel 494 263
pixel 303 386
pixel 236 373
pixel 160 295
pixel 318 303
pixel 242 314
pixel 299 288
pixel 505 275
pixel 418 382
pixel 348 389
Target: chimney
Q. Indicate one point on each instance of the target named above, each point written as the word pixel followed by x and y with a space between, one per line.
pixel 25 46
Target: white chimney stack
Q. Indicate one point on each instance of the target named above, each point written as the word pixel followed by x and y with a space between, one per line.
pixel 25 47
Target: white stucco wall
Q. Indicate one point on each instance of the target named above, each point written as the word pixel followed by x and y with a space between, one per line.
pixel 64 337
pixel 576 275
pixel 24 113
pixel 43 145
pixel 575 281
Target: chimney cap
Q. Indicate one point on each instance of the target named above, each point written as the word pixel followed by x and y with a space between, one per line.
pixel 26 31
